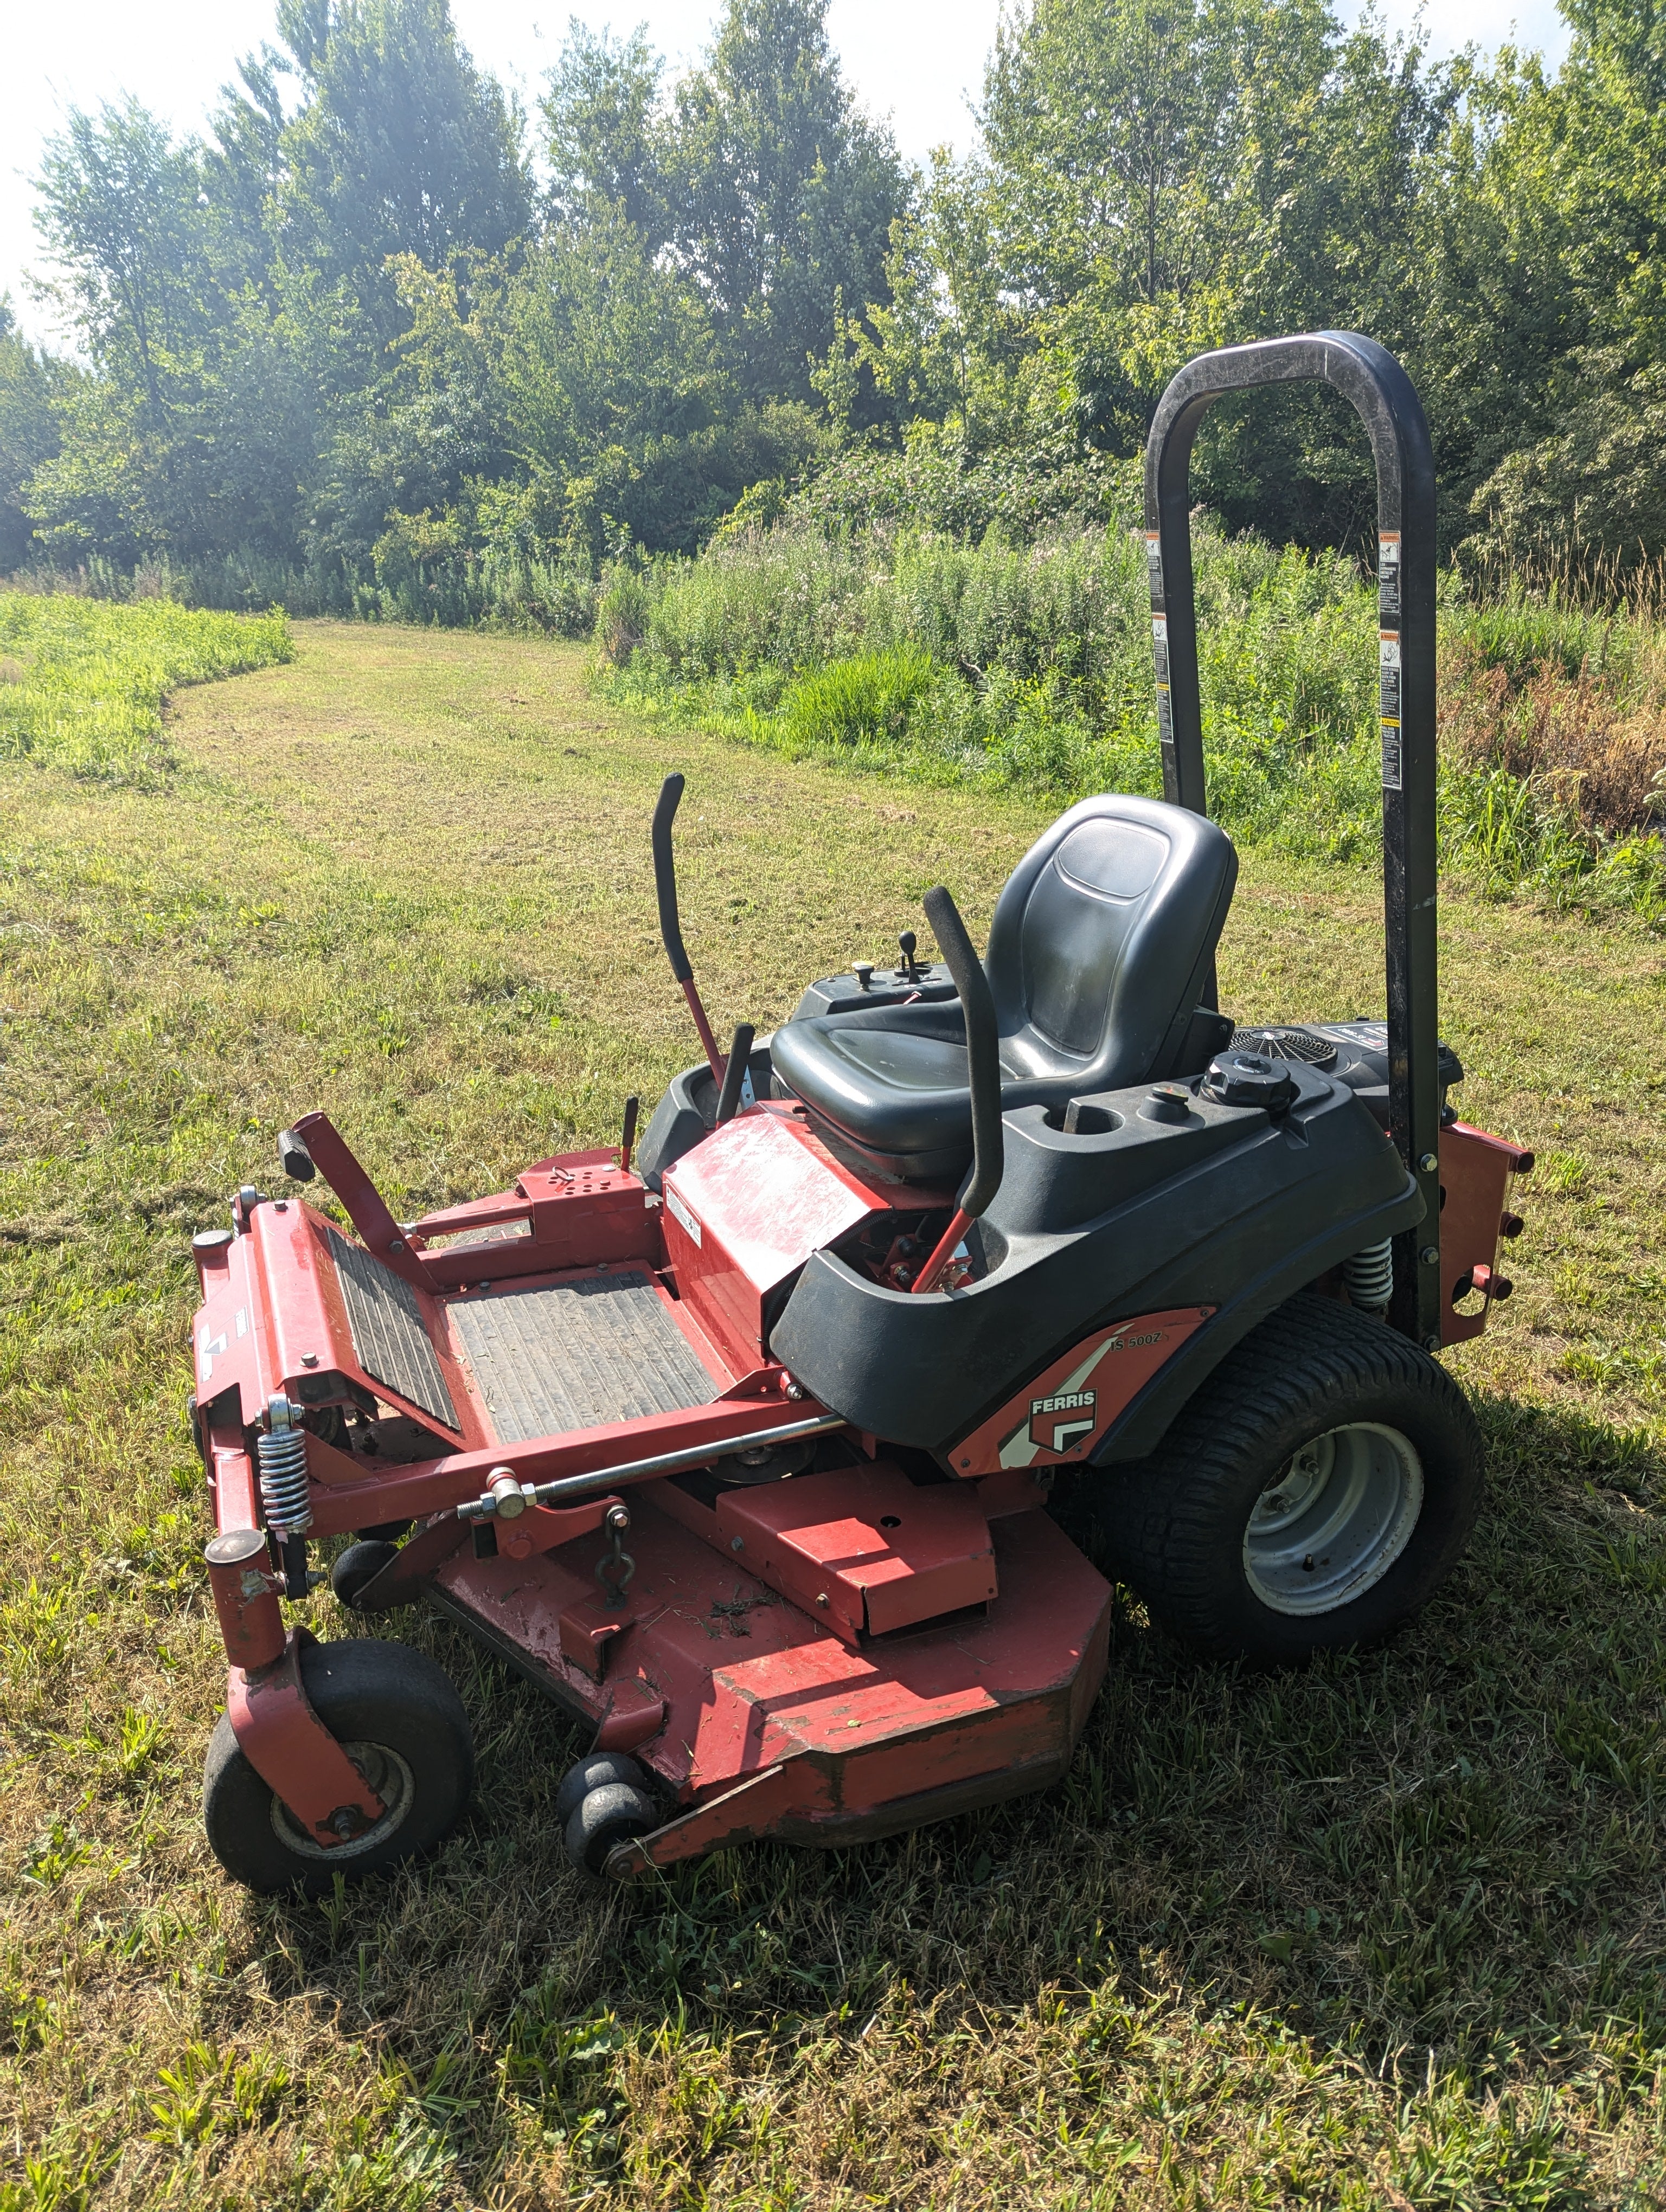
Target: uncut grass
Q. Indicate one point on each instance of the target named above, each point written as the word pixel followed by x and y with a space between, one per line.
pixel 84 683
pixel 1390 1932
pixel 1029 668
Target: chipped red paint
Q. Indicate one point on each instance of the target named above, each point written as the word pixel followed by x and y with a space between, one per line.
pixel 864 1549
pixel 868 1737
pixel 963 1635
pixel 746 1208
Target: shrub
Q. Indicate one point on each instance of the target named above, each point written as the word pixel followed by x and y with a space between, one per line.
pixel 867 699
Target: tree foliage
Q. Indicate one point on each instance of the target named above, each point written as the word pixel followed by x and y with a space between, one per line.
pixel 30 383
pixel 372 323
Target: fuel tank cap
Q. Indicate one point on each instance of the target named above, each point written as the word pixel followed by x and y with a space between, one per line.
pixel 1249 1079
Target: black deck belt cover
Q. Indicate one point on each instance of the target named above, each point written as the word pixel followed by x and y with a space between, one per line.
pixel 389 1340
pixel 575 1355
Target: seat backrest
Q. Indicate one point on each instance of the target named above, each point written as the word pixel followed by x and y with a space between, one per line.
pixel 1103 940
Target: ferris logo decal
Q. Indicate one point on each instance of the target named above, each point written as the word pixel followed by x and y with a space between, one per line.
pixel 1057 1422
pixel 1073 1403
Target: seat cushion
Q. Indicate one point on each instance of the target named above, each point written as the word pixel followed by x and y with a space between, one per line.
pixel 894 1087
pixel 1101 949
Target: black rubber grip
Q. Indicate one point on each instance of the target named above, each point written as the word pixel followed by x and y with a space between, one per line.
pixel 740 1052
pixel 664 877
pixel 982 1048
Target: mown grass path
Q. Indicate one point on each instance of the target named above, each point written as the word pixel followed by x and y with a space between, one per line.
pixel 1390 1933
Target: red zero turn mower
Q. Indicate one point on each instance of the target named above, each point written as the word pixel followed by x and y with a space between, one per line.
pixel 741 1448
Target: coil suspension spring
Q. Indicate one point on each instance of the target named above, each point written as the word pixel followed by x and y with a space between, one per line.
pixel 282 1451
pixel 1369 1276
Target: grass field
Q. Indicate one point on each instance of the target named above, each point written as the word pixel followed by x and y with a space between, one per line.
pixel 1027 668
pixel 1389 1933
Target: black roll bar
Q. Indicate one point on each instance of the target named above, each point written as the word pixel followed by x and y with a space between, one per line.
pixel 1369 376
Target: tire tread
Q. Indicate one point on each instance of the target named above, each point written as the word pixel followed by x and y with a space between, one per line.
pixel 1163 1519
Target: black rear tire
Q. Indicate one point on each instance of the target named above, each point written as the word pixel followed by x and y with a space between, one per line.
pixel 1210 1529
pixel 402 1724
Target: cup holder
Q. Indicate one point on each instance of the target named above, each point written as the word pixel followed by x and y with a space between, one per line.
pixel 1082 1118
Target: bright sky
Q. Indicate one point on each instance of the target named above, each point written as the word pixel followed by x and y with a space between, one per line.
pixel 917 61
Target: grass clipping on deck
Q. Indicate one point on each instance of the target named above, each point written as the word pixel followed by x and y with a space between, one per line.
pixel 84 682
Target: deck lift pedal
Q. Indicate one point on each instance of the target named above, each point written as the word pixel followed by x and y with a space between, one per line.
pixel 740 1445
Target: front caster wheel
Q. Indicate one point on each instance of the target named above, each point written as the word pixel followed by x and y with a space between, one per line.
pixel 399 1720
pixel 359 1565
pixel 593 1773
pixel 612 1814
pixel 1313 1495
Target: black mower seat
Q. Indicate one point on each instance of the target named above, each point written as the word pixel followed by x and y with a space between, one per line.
pixel 1101 947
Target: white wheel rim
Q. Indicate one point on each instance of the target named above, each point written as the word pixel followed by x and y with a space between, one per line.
pixel 1335 1519
pixel 393 1781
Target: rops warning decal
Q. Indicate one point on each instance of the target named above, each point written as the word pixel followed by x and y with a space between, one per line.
pixel 1388 577
pixel 1388 685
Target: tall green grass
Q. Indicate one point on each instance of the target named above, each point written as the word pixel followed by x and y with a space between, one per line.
pixel 84 682
pixel 503 590
pixel 1031 666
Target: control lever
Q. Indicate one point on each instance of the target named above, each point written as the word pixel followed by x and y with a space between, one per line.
pixel 906 969
pixel 731 1097
pixel 982 1077
pixel 664 884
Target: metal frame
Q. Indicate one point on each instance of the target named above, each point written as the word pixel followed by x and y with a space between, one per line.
pixel 1382 395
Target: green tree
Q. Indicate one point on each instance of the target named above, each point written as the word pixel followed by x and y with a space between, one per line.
pixel 783 193
pixel 119 212
pixel 401 147
pixel 1168 175
pixel 578 397
pixel 31 385
pixel 1568 216
pixel 605 133
pixel 237 299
